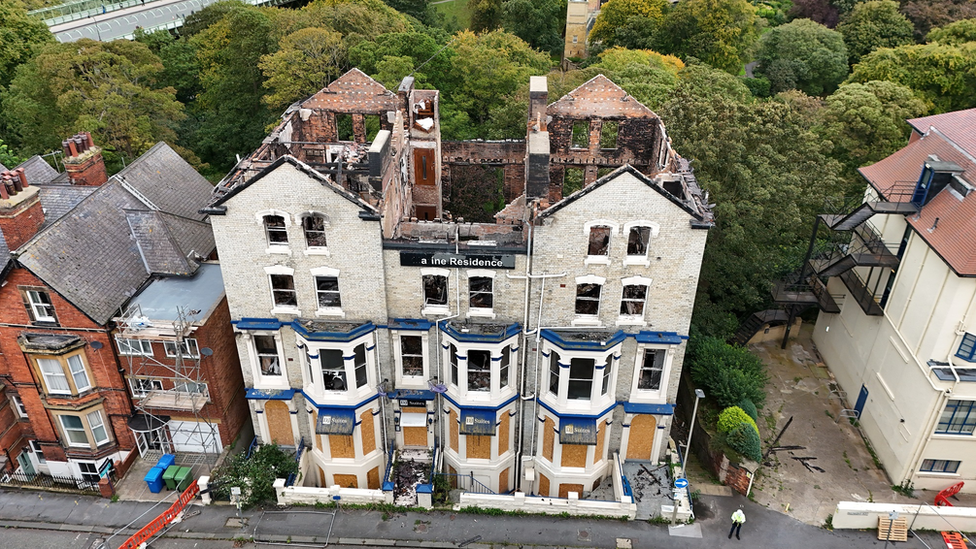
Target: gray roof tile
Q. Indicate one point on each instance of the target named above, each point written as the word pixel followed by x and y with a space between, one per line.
pixel 38 171
pixel 58 200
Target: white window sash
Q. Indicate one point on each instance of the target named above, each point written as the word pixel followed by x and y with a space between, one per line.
pixel 99 432
pixel 54 377
pixel 77 368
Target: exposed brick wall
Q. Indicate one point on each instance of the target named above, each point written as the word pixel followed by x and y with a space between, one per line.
pixel 222 371
pixel 88 170
pixel 21 221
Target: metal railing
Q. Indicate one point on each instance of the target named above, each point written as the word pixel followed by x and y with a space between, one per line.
pixel 290 480
pixel 465 482
pixel 250 449
pixel 38 480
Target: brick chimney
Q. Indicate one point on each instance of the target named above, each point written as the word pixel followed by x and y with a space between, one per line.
pixel 20 208
pixel 537 141
pixel 83 160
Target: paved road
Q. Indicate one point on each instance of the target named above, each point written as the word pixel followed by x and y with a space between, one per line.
pixel 122 23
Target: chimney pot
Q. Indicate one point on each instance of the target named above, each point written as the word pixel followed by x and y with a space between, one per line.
pixel 23 177
pixel 72 148
pixel 4 195
pixel 88 138
pixel 14 181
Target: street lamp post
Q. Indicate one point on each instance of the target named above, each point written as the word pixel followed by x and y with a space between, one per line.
pixel 699 394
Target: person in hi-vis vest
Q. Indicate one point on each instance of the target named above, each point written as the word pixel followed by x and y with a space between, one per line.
pixel 738 518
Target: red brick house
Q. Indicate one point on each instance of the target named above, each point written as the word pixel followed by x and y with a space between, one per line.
pixel 77 251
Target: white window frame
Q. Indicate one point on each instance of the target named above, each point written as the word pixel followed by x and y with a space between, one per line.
pixel 138 391
pixel 484 312
pixel 588 319
pixel 614 233
pixel 280 247
pixel 58 373
pixel 66 430
pixel 189 349
pixel 19 407
pixel 435 309
pixel 401 377
pixel 38 452
pixel 598 399
pixel 300 222
pixel 134 347
pixel 275 307
pixel 41 310
pixel 326 272
pixel 634 320
pixel 91 418
pixel 496 391
pixel 661 392
pixel 315 383
pixel 645 259
pixel 75 372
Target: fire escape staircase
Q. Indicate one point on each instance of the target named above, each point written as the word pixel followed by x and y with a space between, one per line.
pixel 852 220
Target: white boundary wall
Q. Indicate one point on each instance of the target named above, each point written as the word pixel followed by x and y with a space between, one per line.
pixel 550 506
pixel 301 495
pixel 864 516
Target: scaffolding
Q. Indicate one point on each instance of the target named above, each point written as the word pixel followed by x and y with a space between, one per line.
pixel 174 384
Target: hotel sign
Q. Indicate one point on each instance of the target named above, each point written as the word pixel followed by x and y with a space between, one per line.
pixel 461 260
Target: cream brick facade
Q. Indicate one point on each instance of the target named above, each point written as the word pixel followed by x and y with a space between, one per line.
pixel 462 368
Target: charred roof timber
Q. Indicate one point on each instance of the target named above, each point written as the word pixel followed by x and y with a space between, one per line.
pixel 383 149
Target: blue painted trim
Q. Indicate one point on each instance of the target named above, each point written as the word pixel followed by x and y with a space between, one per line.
pixel 372 397
pixel 269 394
pixel 493 408
pixel 582 416
pixel 413 394
pixel 416 324
pixel 660 338
pixel 510 331
pixel 553 337
pixel 257 324
pixel 655 409
pixel 356 332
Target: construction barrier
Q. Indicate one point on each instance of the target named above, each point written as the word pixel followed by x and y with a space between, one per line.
pixel 160 522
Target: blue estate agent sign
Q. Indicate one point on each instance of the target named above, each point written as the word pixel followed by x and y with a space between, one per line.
pixel 680 483
pixel 457 260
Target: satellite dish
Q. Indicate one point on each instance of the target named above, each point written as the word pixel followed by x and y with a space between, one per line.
pixel 97 345
pixel 206 351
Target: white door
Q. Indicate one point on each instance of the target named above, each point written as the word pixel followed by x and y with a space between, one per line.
pixel 189 436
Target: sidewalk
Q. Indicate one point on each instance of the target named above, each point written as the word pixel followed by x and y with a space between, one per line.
pixel 764 528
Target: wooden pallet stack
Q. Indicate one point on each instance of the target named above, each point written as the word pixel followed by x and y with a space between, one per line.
pixel 899 531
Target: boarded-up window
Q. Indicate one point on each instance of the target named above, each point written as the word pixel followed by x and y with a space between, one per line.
pixel 574 455
pixel 454 430
pixel 279 423
pixel 503 437
pixel 565 489
pixel 479 447
pixel 503 481
pixel 543 485
pixel 341 446
pixel 346 481
pixel 423 166
pixel 608 134
pixel 640 438
pixel 367 432
pixel 548 438
pixel 598 453
pixel 581 134
pixel 373 479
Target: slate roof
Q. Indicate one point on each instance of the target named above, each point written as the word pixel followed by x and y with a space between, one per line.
pixel 38 171
pixel 954 239
pixel 57 200
pixel 94 258
pixel 958 127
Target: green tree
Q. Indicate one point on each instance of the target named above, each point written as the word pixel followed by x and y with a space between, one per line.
pixel 254 475
pixel 745 440
pixel 718 32
pixel 766 171
pixel 486 15
pixel 364 19
pixel 230 116
pixel 942 74
pixel 866 122
pixel 20 36
pixel 538 22
pixel 181 69
pixel 955 33
pixel 872 25
pixel 802 55
pixel 7 158
pixel 728 374
pixel 617 13
pixel 646 75
pixel 107 88
pixel 306 61
pixel 928 14
pixel 419 47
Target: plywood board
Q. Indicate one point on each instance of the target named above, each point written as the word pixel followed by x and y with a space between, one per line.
pixel 640 438
pixel 347 481
pixel 341 446
pixel 565 489
pixel 503 436
pixel 543 485
pixel 373 479
pixel 453 420
pixel 548 438
pixel 368 432
pixel 415 436
pixel 503 480
pixel 279 422
pixel 574 455
pixel 600 439
pixel 479 447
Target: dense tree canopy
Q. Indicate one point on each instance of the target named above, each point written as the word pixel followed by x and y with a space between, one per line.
pixel 618 13
pixel 106 88
pixel 872 25
pixel 803 55
pixel 943 75
pixel 20 35
pixel 928 14
pixel 717 32
pixel 954 34
pixel 538 22
pixel 306 61
pixel 486 15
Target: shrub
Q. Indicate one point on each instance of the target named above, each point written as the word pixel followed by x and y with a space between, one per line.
pixel 749 408
pixel 732 417
pixel 745 440
pixel 255 476
pixel 727 373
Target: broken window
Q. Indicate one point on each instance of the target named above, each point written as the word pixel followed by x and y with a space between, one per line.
pixel 333 369
pixel 600 172
pixel 599 243
pixel 454 364
pixel 275 229
pixel 479 371
pixel 371 123
pixel 607 372
pixel 412 355
pixel 638 240
pixel 554 373
pixel 38 305
pixel 359 360
pixel 588 299
pixel 652 370
pixel 480 290
pixel 581 134
pixel 580 379
pixel 572 180
pixel 503 367
pixel 344 130
pixel 314 227
pixel 283 291
pixel 632 301
pixel 266 350
pixel 327 291
pixel 608 134
pixel 435 291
